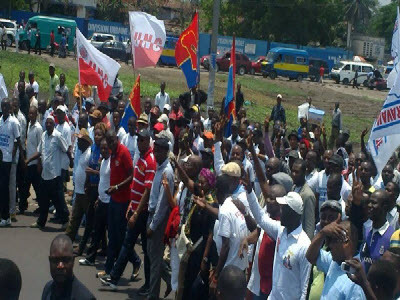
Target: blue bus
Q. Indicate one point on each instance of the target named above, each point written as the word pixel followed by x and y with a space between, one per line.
pixel 167 57
pixel 286 62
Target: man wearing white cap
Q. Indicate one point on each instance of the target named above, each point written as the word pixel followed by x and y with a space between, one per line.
pixel 162 97
pixel 51 147
pixel 167 109
pixel 291 269
pixel 278 112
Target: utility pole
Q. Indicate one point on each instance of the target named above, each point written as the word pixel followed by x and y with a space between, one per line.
pixel 213 54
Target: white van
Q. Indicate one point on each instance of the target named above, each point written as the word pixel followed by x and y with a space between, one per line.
pixel 345 70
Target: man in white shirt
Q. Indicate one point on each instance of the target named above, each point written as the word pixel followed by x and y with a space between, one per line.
pixel 33 83
pixel 291 269
pixel 9 141
pixel 198 142
pixel 230 229
pixel 66 157
pixel 34 136
pixel 81 203
pixel 51 147
pixel 32 99
pixel 311 172
pixel 162 97
pixel 392 216
pixel 130 140
pixel 17 179
pixel 207 122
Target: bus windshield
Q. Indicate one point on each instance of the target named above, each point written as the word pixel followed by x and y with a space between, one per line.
pixel 338 66
pixel 271 56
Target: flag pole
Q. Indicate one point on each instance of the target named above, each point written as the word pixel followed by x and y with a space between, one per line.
pixel 79 78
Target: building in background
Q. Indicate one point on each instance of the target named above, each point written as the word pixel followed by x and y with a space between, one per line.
pixel 371 48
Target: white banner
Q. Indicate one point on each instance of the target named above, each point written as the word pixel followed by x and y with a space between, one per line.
pixel 95 68
pixel 382 149
pixel 3 88
pixel 148 38
pixel 395 52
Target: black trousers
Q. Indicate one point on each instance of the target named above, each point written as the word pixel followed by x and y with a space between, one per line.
pixel 37 46
pixel 100 227
pixel 33 179
pixel 52 47
pixel 22 184
pixel 92 194
pixel 5 169
pixel 50 190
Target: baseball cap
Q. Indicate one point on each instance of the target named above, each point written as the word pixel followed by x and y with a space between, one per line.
pixel 231 169
pixel 162 142
pixel 163 119
pixel 52 65
pixel 62 108
pixel 167 106
pixel 279 96
pixel 332 204
pixel 96 114
pixel 337 160
pixel 159 126
pixel 283 179
pixel 195 108
pixel 84 135
pixel 208 134
pixel 294 201
pixel 144 133
pixel 143 119
pixel 294 154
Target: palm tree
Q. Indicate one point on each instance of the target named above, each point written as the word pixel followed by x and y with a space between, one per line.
pixel 357 12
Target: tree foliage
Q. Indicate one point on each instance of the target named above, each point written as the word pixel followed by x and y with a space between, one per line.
pixel 292 21
pixel 382 23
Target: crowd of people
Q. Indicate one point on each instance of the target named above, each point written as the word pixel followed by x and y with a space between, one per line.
pixel 224 209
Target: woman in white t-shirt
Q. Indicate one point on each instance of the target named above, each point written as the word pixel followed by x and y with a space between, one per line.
pixel 119 130
pixel 101 206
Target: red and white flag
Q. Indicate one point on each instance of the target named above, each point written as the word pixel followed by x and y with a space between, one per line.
pixel 95 68
pixel 148 38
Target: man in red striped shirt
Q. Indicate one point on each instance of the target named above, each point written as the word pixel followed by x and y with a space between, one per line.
pixel 136 215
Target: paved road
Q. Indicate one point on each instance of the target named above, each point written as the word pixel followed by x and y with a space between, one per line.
pixel 29 249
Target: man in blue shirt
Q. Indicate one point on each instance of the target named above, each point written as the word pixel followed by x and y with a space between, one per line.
pixel 342 240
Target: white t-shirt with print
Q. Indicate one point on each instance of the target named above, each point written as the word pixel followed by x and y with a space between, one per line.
pixel 9 132
pixel 232 225
pixel 104 182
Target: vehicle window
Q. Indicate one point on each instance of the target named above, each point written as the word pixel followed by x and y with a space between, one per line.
pixel 367 69
pixel 238 57
pixel 346 68
pixel 279 58
pixel 271 56
pixel 300 60
pixel 120 46
pixel 108 45
pixel 227 55
pixel 8 24
pixel 245 58
pixel 289 59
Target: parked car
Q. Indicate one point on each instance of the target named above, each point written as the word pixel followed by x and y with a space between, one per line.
pixel 256 65
pixel 97 39
pixel 314 66
pixel 243 63
pixel 113 49
pixel 11 29
pixel 345 70
pixel 377 83
pixel 286 62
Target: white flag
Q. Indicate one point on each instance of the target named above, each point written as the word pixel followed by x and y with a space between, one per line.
pixel 395 51
pixel 382 149
pixel 148 38
pixel 95 68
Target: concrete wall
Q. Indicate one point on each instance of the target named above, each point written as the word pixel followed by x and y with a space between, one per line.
pixel 369 47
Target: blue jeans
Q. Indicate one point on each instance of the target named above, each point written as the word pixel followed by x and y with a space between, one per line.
pixel 116 232
pixel 128 251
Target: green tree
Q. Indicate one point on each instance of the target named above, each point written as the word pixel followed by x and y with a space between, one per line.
pixel 382 23
pixel 357 14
